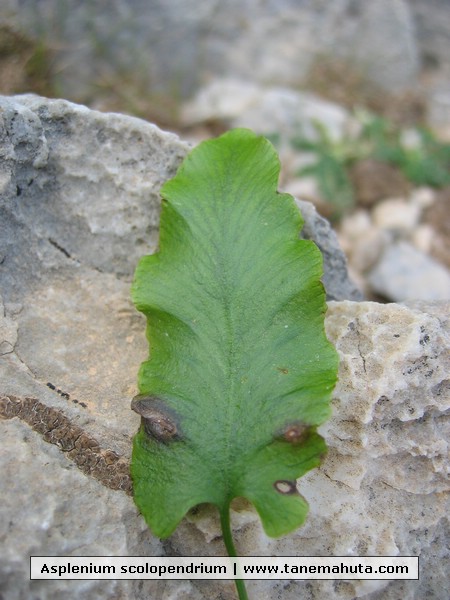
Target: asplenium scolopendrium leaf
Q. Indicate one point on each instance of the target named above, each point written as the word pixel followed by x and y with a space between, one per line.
pixel 240 370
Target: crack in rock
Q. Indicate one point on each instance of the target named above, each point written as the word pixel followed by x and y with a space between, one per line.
pixel 105 465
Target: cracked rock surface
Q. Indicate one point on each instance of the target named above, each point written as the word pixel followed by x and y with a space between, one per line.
pixel 79 206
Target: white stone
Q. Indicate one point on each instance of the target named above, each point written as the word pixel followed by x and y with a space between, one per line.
pixel 423 197
pixel 396 214
pixel 266 110
pixel 405 273
pixel 221 99
pixel 355 225
pixel 361 240
pixel 422 237
pixel 367 249
pixel 303 187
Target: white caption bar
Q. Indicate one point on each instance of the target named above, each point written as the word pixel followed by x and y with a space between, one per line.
pixel 221 567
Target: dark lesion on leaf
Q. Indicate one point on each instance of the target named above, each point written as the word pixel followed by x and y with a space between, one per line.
pixel 105 465
pixel 158 421
pixel 295 432
pixel 285 487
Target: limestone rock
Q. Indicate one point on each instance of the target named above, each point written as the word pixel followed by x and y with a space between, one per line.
pixel 382 490
pixel 81 188
pixel 80 185
pixel 74 210
pixel 171 47
pixel 384 486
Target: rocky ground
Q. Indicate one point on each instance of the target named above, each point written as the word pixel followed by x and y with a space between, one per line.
pixel 395 233
pixel 278 68
pixel 79 205
pixel 399 249
pixel 75 223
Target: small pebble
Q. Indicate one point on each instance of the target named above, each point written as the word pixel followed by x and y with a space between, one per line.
pixel 397 214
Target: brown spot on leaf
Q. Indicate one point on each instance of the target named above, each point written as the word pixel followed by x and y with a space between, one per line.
pixel 296 432
pixel 158 421
pixel 285 487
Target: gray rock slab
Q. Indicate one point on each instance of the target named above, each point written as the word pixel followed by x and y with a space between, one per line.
pixel 336 280
pixel 171 47
pixel 50 507
pixel 81 188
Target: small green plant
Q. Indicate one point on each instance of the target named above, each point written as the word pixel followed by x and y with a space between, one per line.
pixel 330 167
pixel 240 370
pixel 416 152
pixel 421 158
